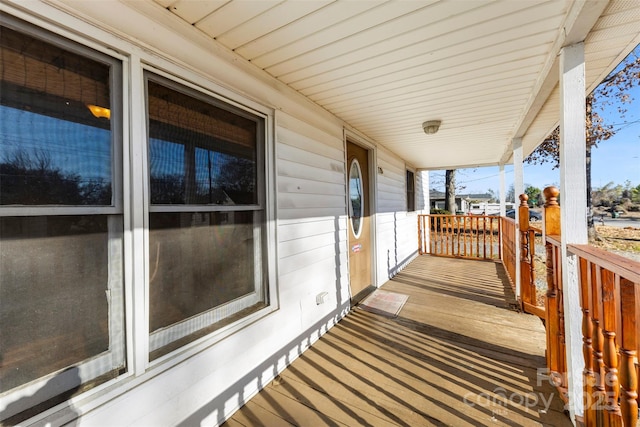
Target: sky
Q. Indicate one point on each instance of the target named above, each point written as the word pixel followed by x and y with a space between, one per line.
pixel 615 160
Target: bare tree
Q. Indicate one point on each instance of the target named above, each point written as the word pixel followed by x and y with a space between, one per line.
pixel 614 89
pixel 450 190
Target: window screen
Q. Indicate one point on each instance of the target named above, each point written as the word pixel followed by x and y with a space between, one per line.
pixel 206 220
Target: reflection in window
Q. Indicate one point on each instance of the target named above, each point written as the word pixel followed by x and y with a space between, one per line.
pixel 199 153
pixel 53 150
pixel 61 276
pixel 205 262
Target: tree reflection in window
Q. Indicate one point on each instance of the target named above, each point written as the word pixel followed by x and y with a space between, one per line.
pixel 199 153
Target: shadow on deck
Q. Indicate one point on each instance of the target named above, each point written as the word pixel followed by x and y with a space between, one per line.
pixel 458 354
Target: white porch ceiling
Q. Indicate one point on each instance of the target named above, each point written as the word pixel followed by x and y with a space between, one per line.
pixel 487 69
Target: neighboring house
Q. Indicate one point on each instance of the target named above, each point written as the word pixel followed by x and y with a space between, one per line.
pixel 463 201
pixel 188 202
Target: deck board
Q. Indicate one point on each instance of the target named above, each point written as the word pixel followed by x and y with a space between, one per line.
pixel 458 354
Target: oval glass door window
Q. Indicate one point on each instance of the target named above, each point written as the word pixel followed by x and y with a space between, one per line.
pixel 356 197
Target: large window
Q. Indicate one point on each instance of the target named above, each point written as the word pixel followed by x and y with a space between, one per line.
pixel 61 220
pixel 206 214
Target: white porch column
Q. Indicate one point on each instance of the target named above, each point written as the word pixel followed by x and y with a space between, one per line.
pixel 573 211
pixel 518 188
pixel 426 204
pixel 502 191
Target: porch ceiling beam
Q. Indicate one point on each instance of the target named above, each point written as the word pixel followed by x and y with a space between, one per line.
pixel 578 23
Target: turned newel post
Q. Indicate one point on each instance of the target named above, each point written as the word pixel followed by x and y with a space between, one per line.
pixel 551 227
pixel 527 291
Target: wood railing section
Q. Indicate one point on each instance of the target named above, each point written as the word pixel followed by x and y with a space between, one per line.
pixel 610 302
pixel 509 248
pixel 528 288
pixel 460 236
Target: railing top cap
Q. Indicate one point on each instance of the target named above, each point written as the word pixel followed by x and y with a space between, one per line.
pixel 523 199
pixel 551 196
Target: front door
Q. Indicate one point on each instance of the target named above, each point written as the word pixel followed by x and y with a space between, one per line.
pixel 359 221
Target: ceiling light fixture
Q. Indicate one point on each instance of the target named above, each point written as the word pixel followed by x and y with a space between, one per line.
pixel 431 126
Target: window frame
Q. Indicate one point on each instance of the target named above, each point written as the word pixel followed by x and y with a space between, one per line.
pixel 263 289
pixel 93 367
pixel 410 190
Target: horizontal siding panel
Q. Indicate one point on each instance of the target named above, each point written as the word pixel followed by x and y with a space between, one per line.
pixel 324 271
pixel 328 134
pixel 297 201
pixel 307 186
pixel 308 258
pixel 312 145
pixel 303 157
pixel 301 229
pixel 301 214
pixel 385 187
pixel 298 246
pixel 391 178
pixel 292 169
pixel 390 217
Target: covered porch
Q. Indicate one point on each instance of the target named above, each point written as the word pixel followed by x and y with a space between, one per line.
pixel 458 353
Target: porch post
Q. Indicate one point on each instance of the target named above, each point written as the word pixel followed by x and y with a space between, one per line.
pixel 426 204
pixel 502 192
pixel 573 212
pixel 518 189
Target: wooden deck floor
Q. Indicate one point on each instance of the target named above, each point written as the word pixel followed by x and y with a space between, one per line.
pixel 458 354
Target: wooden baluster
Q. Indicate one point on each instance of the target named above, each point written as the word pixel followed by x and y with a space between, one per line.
pixel 630 301
pixel 610 353
pixel 491 237
pixel 438 224
pixel 477 237
pixel 449 235
pixel 500 238
pixel 589 378
pixel 532 266
pixel 562 347
pixel 551 226
pixel 421 234
pixel 598 344
pixel 484 237
pixel 466 236
pixel 523 262
pixel 460 235
pixel 434 234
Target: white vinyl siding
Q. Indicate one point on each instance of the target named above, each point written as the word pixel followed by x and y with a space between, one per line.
pixel 397 230
pixel 312 234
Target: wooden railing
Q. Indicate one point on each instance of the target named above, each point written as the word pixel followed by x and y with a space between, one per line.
pixel 461 236
pixel 610 301
pixel 509 248
pixel 528 287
